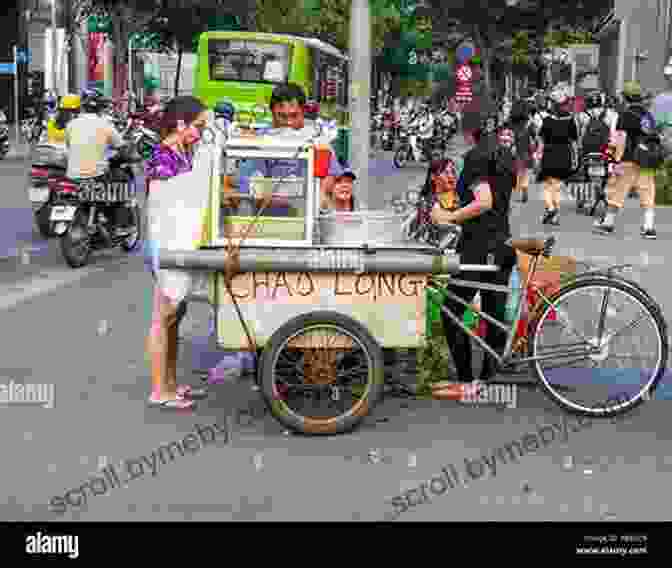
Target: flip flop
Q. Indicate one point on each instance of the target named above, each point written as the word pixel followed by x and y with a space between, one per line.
pixel 189 392
pixel 172 404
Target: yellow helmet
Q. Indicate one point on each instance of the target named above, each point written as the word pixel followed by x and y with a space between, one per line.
pixel 71 102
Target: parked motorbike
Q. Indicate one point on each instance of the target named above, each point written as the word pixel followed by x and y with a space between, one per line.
pixel 387 136
pixel 142 130
pixel 4 135
pixel 100 213
pixel 413 147
pixel 418 225
pixel 48 162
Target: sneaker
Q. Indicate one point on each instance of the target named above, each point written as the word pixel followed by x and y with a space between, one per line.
pixel 548 216
pixel 555 220
pixel 603 228
pixel 649 234
pixel 524 198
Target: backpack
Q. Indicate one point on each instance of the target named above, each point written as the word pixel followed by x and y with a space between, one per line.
pixel 647 148
pixel 596 134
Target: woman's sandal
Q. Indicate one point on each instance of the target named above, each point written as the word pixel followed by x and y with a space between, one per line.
pixel 189 392
pixel 172 403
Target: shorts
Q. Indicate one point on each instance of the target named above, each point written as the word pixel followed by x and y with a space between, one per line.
pixel 176 285
pixel 632 177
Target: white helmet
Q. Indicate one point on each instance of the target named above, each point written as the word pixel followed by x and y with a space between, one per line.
pixel 560 93
pixel 667 70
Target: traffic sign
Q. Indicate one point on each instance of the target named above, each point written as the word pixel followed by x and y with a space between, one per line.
pixel 23 56
pixel 7 69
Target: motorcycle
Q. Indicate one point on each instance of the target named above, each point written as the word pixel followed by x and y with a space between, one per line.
pixel 141 130
pixel 413 147
pixel 4 135
pixel 597 168
pixel 418 225
pixel 48 162
pixel 99 213
pixel 387 136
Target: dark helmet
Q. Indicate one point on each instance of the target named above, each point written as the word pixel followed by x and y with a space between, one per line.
pixel 225 109
pixel 595 99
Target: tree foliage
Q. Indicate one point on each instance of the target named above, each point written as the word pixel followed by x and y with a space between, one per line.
pixel 515 36
pixel 326 19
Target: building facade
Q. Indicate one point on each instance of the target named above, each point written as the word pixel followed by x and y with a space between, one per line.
pixel 635 44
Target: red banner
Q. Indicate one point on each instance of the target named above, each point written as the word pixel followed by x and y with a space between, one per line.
pixel 96 57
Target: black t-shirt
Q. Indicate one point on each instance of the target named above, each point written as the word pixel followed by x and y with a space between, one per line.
pixel 498 170
pixel 630 122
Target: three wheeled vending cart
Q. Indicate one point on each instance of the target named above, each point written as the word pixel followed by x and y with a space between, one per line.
pixel 317 296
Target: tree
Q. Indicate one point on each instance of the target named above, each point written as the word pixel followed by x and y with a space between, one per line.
pixel 503 21
pixel 326 19
pixel 179 24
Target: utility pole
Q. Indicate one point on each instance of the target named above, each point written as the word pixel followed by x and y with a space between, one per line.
pixel 54 49
pixel 69 44
pixel 360 103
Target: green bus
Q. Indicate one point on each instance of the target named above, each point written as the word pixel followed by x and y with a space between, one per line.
pixel 245 67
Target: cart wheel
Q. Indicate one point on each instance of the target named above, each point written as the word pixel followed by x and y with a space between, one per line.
pixel 322 373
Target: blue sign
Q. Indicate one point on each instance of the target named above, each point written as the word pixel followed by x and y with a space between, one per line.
pixel 23 56
pixel 7 69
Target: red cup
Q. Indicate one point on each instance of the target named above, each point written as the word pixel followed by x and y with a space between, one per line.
pixel 322 159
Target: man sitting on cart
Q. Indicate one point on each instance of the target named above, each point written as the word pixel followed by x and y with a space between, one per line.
pixel 287 107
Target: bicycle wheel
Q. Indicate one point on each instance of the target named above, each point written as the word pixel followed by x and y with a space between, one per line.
pixel 604 273
pixel 322 373
pixel 592 373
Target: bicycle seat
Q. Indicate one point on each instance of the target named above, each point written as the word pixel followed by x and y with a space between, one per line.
pixel 533 247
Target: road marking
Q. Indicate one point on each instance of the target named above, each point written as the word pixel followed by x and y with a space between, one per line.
pixel 15 293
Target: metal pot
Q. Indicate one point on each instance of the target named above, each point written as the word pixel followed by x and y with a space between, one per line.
pixel 357 228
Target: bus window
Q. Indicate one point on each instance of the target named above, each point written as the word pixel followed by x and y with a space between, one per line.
pixel 248 61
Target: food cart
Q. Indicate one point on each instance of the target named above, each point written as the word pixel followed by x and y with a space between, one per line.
pixel 317 296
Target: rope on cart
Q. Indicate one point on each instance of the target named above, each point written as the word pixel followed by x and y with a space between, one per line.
pixel 232 260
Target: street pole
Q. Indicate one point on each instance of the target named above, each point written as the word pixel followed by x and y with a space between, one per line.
pixel 70 44
pixel 360 104
pixel 54 49
pixel 16 96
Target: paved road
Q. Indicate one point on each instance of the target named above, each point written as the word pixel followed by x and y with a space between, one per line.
pixel 52 333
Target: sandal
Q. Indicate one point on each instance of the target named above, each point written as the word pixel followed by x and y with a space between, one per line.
pixel 172 403
pixel 189 392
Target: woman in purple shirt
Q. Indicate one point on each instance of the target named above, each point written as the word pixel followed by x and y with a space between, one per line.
pixel 181 126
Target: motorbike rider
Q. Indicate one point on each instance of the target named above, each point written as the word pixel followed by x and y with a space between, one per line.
pixel 488 179
pixel 69 108
pixel 632 174
pixel 559 133
pixel 87 138
pixel 425 125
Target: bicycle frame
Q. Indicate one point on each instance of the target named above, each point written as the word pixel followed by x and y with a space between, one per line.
pixel 506 357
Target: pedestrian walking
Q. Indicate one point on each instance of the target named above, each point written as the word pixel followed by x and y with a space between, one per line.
pixel 559 135
pixel 642 154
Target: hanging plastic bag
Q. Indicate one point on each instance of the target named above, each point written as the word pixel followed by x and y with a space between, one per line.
pixel 514 296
